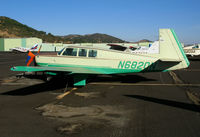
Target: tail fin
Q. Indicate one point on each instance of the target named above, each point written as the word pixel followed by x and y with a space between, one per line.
pixel 171 48
pixel 30 58
pixel 39 49
pixel 34 47
pixel 154 48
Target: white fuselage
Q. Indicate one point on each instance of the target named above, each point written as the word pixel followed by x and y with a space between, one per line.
pixel 104 59
pixel 192 50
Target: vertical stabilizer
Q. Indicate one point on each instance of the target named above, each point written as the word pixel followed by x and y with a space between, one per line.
pixel 154 48
pixel 171 48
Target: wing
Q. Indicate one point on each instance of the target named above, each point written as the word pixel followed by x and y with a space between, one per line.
pixel 117 47
pixel 54 69
pixel 71 70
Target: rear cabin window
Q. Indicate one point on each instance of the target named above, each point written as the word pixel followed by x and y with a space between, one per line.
pixel 83 52
pixel 70 52
pixel 92 53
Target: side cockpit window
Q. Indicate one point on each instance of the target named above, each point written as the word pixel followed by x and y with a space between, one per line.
pixel 70 52
pixel 92 53
pixel 82 52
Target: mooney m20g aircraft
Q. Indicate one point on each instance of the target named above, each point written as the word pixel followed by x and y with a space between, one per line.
pixel 22 49
pixel 79 62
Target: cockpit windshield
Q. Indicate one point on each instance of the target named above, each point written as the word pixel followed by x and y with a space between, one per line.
pixel 60 51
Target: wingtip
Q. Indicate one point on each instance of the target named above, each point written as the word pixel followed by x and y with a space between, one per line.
pixel 13 68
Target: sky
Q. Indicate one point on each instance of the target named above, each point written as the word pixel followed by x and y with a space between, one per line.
pixel 130 20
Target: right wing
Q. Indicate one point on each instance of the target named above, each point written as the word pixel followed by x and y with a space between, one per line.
pixel 72 70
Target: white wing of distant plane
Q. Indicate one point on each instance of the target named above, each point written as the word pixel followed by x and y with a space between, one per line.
pixel 121 47
pixel 22 49
pixel 117 47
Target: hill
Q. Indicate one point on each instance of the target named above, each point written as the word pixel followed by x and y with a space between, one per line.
pixel 12 28
pixel 92 38
pixel 144 40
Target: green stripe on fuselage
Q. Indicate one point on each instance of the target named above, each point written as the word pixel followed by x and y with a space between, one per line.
pixel 100 70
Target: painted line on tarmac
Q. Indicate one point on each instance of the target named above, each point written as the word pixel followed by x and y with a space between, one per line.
pixel 65 94
pixel 193 98
pixel 176 79
pixel 143 84
pixel 195 70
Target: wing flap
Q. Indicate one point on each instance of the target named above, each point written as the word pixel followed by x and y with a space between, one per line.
pixel 170 60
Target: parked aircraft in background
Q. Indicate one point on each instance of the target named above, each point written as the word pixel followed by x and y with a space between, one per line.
pixel 22 49
pixel 151 49
pixel 79 62
pixel 193 50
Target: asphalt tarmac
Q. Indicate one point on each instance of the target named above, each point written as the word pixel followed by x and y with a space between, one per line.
pixel 137 105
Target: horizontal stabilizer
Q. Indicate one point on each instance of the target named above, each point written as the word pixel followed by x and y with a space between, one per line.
pixel 170 60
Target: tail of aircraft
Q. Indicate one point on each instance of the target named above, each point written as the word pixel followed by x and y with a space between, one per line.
pixel 34 47
pixel 171 49
pixel 30 58
pixel 154 47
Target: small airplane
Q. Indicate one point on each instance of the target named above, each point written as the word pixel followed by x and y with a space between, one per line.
pixel 151 49
pixel 193 50
pixel 22 49
pixel 79 62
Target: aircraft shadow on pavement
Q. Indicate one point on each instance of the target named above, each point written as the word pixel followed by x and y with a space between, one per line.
pixel 38 88
pixel 121 79
pixel 186 106
pixel 60 83
pixel 194 59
